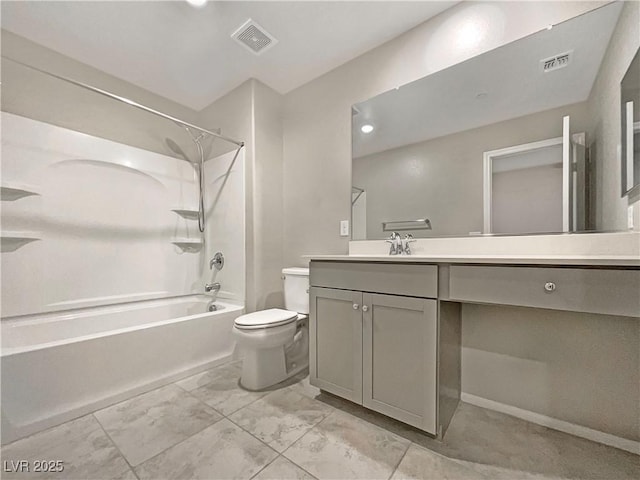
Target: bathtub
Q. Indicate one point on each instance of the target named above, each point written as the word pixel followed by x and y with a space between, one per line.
pixel 56 367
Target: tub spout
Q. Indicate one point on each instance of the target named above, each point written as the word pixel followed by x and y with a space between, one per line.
pixel 212 287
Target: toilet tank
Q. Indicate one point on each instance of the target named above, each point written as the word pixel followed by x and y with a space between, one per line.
pixel 296 289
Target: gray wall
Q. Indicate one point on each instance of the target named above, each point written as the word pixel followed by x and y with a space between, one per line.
pixel 38 96
pixel 527 200
pixel 576 367
pixel 253 112
pixel 268 198
pixel 442 178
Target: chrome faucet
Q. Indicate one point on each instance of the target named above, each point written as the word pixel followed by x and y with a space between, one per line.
pixel 212 287
pixel 396 244
pixel 408 238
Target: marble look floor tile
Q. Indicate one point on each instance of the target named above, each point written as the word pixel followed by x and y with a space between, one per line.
pixel 483 436
pixel 128 475
pixel 226 395
pixel 149 423
pixel 343 446
pixel 422 464
pixel 280 418
pixel 403 430
pixel 505 447
pixel 227 370
pixel 283 469
pixel 305 388
pixel 82 445
pixel 584 459
pixel 221 451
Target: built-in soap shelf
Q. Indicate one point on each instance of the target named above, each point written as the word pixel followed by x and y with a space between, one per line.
pixel 13 240
pixel 188 213
pixel 14 191
pixel 190 245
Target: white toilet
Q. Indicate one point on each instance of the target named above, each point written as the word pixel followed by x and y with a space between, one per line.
pixel 275 342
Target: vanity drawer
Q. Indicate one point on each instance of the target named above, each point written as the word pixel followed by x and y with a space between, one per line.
pixel 396 279
pixel 612 292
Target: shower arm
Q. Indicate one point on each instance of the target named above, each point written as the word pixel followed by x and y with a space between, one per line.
pixel 119 98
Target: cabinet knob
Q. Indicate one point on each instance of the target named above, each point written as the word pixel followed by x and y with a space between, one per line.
pixel 356 306
pixel 365 308
pixel 549 286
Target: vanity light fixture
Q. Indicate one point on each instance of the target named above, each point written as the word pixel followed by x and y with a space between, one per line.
pixel 366 128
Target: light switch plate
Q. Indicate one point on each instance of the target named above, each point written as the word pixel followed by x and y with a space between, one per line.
pixel 630 217
pixel 344 228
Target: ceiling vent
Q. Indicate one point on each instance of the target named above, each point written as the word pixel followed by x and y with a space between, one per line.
pixel 556 62
pixel 253 37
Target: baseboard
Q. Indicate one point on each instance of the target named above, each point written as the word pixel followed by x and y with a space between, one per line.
pixel 566 427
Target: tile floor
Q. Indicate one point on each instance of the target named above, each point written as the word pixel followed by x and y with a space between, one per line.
pixel 207 427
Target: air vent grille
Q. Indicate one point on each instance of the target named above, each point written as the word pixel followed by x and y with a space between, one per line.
pixel 556 62
pixel 253 37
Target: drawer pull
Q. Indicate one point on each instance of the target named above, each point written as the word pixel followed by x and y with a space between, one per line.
pixel 356 306
pixel 550 287
pixel 365 308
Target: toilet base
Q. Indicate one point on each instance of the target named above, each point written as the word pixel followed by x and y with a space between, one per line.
pixel 265 367
pixel 293 373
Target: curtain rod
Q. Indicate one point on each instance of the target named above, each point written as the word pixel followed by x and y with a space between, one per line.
pixel 106 93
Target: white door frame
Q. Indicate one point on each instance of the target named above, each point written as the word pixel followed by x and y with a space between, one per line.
pixel 487 169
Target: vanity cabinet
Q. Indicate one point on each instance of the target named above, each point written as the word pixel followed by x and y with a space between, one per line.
pixel 385 332
pixel 372 346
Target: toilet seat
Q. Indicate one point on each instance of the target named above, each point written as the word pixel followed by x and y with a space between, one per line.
pixel 274 317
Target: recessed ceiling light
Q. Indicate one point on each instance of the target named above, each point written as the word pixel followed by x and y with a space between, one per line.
pixel 366 128
pixel 197 3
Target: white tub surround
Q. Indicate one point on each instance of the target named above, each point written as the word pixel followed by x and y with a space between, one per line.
pixel 60 366
pixel 88 221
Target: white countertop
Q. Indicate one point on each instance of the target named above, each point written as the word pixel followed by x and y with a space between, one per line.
pixel 581 260
pixel 614 249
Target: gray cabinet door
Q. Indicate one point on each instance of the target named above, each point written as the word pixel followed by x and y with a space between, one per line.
pixel 399 358
pixel 335 342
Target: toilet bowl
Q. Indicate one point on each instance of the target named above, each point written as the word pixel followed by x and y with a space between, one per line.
pixel 274 343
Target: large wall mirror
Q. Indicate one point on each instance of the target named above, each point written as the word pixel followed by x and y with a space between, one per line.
pixel 508 142
pixel 630 108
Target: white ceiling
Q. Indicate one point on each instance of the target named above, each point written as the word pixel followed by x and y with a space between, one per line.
pixel 186 54
pixel 509 80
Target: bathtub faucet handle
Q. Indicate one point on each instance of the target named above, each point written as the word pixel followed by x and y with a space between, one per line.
pixel 217 261
pixel 212 287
